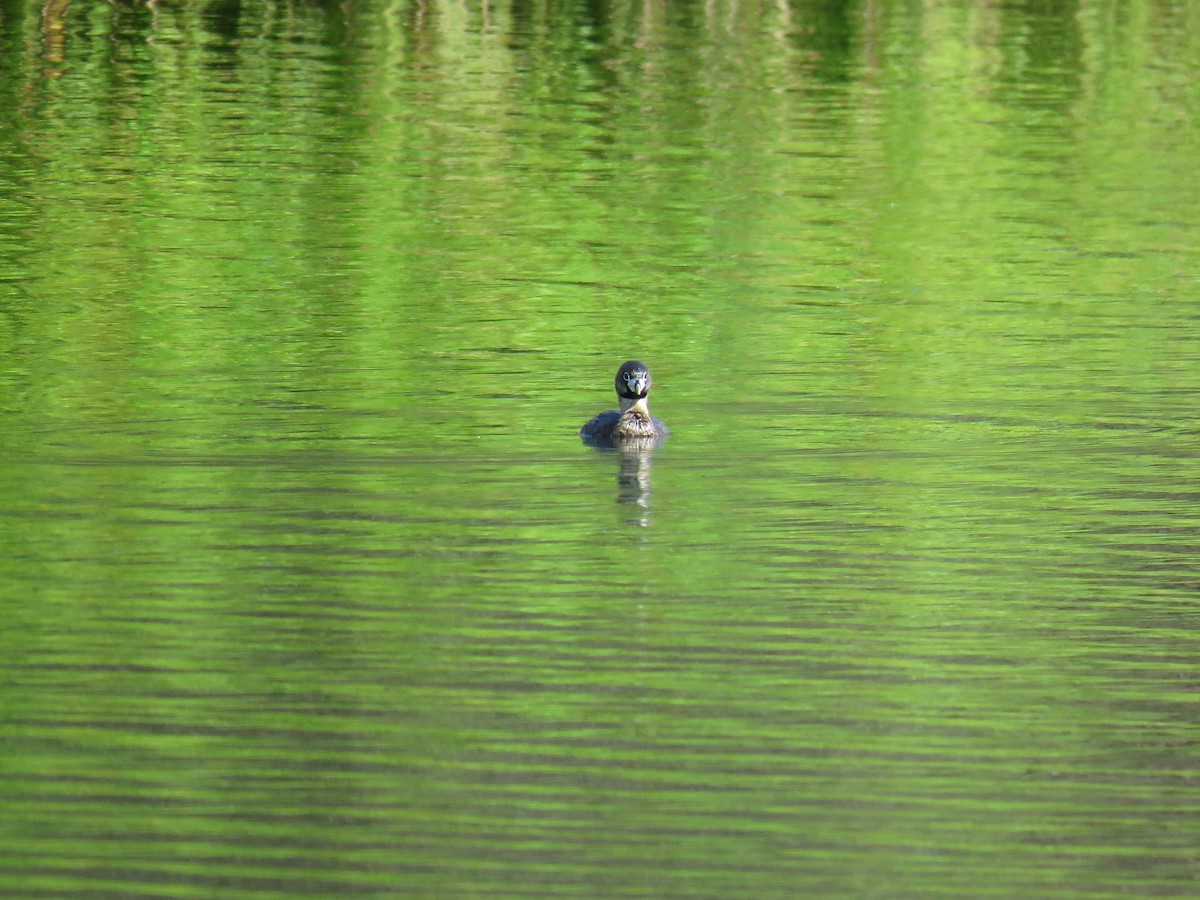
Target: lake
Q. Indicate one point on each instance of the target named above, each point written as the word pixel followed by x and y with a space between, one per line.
pixel 310 587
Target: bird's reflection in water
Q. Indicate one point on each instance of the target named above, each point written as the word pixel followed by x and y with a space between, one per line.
pixel 633 472
pixel 633 477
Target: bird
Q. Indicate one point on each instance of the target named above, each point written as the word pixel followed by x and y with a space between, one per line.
pixel 632 425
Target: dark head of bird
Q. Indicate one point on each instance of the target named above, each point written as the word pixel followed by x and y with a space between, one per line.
pixel 632 382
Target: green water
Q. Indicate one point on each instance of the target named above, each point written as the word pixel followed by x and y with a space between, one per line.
pixel 310 589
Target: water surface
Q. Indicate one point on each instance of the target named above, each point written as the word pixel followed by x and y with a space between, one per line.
pixel 310 588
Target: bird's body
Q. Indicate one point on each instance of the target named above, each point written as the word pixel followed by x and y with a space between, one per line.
pixel 632 424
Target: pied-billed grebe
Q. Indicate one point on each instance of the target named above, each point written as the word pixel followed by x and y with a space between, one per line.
pixel 633 422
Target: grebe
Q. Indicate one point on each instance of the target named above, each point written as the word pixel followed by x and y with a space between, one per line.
pixel 633 422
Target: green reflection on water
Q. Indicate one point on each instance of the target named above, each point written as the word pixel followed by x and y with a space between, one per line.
pixel 310 587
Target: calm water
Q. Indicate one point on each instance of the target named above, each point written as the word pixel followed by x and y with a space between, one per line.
pixel 310 589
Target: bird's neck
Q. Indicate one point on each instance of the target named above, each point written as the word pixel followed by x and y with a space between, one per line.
pixel 641 405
